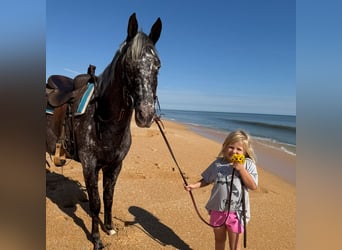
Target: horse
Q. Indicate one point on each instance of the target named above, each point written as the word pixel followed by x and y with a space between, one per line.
pixel 102 135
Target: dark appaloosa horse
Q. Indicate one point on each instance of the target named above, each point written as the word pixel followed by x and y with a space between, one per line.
pixel 102 134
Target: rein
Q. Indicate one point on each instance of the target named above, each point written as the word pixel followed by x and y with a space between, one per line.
pixel 158 121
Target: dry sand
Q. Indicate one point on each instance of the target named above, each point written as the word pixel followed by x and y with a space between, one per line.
pixel 151 209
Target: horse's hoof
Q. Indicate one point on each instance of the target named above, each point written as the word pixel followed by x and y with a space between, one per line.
pixel 111 232
pixel 98 245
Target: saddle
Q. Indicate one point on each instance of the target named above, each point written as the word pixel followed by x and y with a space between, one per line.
pixel 62 89
pixel 67 97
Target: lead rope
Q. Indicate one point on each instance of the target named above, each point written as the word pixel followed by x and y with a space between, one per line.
pixel 244 215
pixel 157 120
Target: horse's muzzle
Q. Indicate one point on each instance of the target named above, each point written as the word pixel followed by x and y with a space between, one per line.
pixel 144 114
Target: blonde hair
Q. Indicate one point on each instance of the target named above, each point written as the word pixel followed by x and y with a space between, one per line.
pixel 246 140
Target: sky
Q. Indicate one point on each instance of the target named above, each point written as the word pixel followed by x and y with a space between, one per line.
pixel 227 56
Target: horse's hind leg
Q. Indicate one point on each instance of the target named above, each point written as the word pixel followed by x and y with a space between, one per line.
pixel 110 176
pixel 91 179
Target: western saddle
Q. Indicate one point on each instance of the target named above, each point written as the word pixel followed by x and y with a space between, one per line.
pixel 63 95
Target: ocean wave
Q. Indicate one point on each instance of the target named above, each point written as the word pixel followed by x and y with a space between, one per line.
pixel 262 124
pixel 270 143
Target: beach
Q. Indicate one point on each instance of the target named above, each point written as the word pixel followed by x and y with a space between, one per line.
pixel 151 208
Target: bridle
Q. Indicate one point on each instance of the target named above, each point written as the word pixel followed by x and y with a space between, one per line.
pixel 128 98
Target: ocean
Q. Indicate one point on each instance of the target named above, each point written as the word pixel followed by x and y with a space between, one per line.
pixel 277 131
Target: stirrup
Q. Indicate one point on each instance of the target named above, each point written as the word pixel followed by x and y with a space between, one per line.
pixel 58 159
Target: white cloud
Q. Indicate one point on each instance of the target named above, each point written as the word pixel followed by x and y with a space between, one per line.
pixel 72 71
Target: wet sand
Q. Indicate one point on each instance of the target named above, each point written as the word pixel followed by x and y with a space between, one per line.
pixel 270 157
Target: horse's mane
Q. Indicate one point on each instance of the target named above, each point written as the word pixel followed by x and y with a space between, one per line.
pixel 127 51
pixel 139 42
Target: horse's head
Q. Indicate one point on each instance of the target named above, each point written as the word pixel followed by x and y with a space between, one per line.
pixel 141 66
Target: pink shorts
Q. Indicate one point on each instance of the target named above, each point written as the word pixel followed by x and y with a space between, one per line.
pixel 232 223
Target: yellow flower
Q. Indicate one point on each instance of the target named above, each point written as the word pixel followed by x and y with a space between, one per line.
pixel 237 158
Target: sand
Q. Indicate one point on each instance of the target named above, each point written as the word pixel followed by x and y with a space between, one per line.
pixel 152 210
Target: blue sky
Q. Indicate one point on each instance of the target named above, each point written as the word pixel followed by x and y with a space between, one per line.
pixel 230 56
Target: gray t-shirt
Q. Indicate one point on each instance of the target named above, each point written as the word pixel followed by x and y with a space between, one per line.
pixel 220 173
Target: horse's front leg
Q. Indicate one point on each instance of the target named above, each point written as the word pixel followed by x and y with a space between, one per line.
pixel 91 175
pixel 110 176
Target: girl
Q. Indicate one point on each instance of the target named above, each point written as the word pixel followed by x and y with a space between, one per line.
pixel 220 173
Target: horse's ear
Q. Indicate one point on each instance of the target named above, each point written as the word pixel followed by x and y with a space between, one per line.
pixel 155 31
pixel 132 27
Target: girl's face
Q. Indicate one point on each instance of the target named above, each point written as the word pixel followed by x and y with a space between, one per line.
pixel 235 148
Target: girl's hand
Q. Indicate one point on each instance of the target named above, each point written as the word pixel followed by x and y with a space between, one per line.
pixel 237 166
pixel 198 184
pixel 188 187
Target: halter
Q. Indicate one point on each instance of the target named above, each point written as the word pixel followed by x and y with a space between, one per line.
pixel 127 89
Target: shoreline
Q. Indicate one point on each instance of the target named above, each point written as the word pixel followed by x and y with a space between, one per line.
pixel 274 130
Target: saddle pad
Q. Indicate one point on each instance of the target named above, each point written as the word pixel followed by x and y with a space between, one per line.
pixel 49 110
pixel 82 105
pixel 85 100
